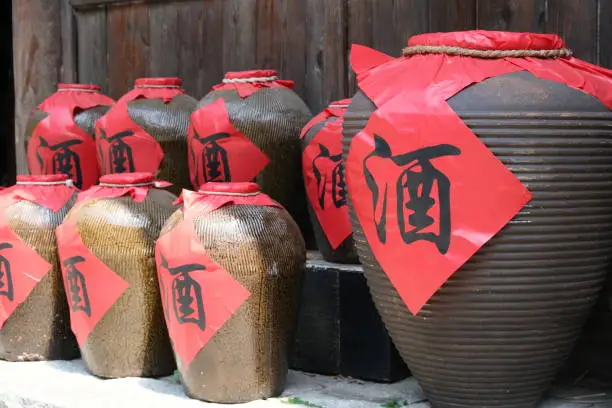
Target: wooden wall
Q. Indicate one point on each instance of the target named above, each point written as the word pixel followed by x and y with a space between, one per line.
pixel 112 42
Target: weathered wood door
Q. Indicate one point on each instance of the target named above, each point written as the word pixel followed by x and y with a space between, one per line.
pixel 113 42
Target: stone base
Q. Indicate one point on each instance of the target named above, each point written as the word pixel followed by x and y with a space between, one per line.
pixel 339 330
pixel 66 384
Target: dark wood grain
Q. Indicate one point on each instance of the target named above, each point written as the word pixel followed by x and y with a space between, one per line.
pixel 452 15
pixel 164 41
pixel 605 33
pixel 37 61
pixel 128 46
pixel 7 99
pixel 326 48
pixel 69 46
pixel 512 15
pixel 94 3
pixel 576 22
pixel 281 39
pixel 239 34
pixel 385 25
pixel 92 47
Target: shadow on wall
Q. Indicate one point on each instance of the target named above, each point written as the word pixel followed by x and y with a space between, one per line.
pixel 7 97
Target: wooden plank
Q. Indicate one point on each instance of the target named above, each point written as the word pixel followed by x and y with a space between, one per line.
pixel 7 113
pixel 327 44
pixel 576 22
pixel 281 43
pixel 128 46
pixel 36 61
pixel 164 41
pixel 80 4
pixel 605 33
pixel 202 65
pixel 239 34
pixel 92 47
pixel 385 25
pixel 512 15
pixel 452 15
pixel 69 47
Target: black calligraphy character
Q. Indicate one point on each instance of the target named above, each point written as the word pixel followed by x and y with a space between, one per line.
pixel 6 278
pixel 121 159
pixel 215 161
pixel 186 294
pixel 415 197
pixel 64 160
pixel 338 183
pixel 77 286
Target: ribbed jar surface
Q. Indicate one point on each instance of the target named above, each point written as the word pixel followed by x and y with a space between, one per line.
pixel 497 332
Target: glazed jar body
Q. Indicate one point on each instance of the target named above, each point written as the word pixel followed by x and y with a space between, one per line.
pixel 130 340
pixel 500 328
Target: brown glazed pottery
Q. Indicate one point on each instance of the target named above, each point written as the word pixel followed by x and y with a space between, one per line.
pixel 270 115
pixel 107 245
pixel 146 131
pixel 501 327
pixel 60 133
pixel 326 184
pixel 243 282
pixel 39 327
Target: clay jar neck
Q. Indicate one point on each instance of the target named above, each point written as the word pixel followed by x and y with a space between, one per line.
pixel 170 82
pixel 79 88
pixel 230 189
pixel 44 180
pixel 253 76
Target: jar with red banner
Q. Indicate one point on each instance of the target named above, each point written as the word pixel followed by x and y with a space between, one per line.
pixel 146 131
pixel 106 246
pixel 247 129
pixel 60 133
pixel 478 170
pixel 230 264
pixel 325 183
pixel 34 316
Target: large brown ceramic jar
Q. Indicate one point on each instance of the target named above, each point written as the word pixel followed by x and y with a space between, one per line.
pixel 248 129
pixel 495 333
pixel 146 131
pixel 230 265
pixel 34 317
pixel 106 246
pixel 325 184
pixel 59 135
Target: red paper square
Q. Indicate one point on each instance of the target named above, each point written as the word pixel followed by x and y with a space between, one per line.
pixel 420 243
pixel 213 294
pixel 92 287
pixel 21 269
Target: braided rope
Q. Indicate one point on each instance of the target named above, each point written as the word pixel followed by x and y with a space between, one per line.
pixel 150 183
pixel 46 183
pixel 227 193
pixel 246 80
pixel 158 86
pixel 338 106
pixel 77 90
pixel 490 54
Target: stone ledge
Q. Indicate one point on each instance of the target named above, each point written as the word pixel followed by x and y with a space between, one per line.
pixel 65 384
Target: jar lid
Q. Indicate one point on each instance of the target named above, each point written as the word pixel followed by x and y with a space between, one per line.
pixel 165 82
pixel 213 188
pixel 79 87
pixel 127 180
pixel 489 40
pixel 42 179
pixel 257 75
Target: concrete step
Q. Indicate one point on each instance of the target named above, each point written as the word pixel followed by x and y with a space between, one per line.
pixel 66 384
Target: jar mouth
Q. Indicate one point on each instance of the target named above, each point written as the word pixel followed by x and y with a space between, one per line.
pixel 127 180
pixel 485 40
pixel 43 179
pixel 241 189
pixel 161 82
pixel 79 87
pixel 258 75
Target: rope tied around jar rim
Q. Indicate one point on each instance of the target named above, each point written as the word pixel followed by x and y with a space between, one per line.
pixel 155 184
pixel 487 54
pixel 247 80
pixel 158 86
pixel 229 193
pixel 67 182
